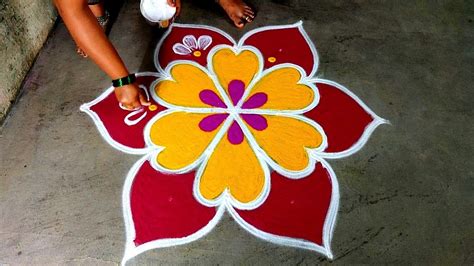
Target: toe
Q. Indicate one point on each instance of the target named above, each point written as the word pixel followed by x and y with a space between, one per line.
pixel 247 18
pixel 249 9
pixel 239 24
pixel 250 15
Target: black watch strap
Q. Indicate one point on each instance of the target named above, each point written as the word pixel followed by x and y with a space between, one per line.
pixel 130 79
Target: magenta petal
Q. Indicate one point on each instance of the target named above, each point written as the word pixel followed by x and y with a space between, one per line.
pixel 211 98
pixel 255 101
pixel 236 90
pixel 344 120
pixel 258 122
pixel 286 45
pixel 235 134
pixel 163 206
pixel 212 122
pixel 107 112
pixel 295 208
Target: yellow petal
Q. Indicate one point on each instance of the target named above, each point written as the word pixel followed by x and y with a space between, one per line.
pixel 188 82
pixel 181 137
pixel 235 167
pixel 228 66
pixel 285 140
pixel 283 91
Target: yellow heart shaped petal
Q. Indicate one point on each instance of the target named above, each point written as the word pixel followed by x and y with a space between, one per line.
pixel 283 91
pixel 229 66
pixel 185 88
pixel 181 137
pixel 235 167
pixel 285 140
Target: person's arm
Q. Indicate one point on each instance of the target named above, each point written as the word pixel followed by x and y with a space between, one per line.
pixel 88 35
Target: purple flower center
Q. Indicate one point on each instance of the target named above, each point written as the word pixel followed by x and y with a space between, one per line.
pixel 236 91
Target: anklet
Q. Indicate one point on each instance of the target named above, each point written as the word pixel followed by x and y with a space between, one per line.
pixel 124 81
pixel 103 20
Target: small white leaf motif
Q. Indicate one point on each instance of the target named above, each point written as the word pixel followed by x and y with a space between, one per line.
pixel 204 41
pixel 180 49
pixel 190 44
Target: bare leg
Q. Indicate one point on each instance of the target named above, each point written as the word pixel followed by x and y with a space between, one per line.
pixel 98 9
pixel 83 26
pixel 239 12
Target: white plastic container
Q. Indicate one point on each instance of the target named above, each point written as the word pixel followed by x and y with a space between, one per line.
pixel 157 11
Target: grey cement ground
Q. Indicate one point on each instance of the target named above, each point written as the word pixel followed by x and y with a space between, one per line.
pixel 406 197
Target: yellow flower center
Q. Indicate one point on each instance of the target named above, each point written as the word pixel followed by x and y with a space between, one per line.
pixel 238 169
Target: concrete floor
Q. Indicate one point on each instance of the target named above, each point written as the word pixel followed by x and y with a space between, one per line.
pixel 406 197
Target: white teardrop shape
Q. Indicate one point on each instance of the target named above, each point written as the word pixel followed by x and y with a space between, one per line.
pixel 129 121
pixel 190 41
pixel 180 49
pixel 204 41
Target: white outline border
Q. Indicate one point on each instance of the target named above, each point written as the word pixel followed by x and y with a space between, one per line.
pixel 226 202
pixel 130 249
pixel 328 228
pixel 377 121
pixel 226 205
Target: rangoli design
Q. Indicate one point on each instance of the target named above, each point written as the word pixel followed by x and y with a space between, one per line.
pixel 239 127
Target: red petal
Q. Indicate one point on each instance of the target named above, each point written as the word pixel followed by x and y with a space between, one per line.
pixel 343 119
pixel 165 53
pixel 295 208
pixel 108 115
pixel 287 44
pixel 163 206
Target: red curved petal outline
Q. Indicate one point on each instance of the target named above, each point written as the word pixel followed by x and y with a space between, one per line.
pixel 110 118
pixel 346 120
pixel 164 53
pixel 284 44
pixel 163 206
pixel 297 212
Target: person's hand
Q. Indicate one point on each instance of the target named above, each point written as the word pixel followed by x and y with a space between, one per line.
pixel 177 4
pixel 131 96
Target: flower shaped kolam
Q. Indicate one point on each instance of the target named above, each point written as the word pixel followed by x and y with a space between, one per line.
pixel 233 121
pixel 227 119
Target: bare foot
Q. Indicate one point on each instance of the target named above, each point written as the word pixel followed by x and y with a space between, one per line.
pixel 239 12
